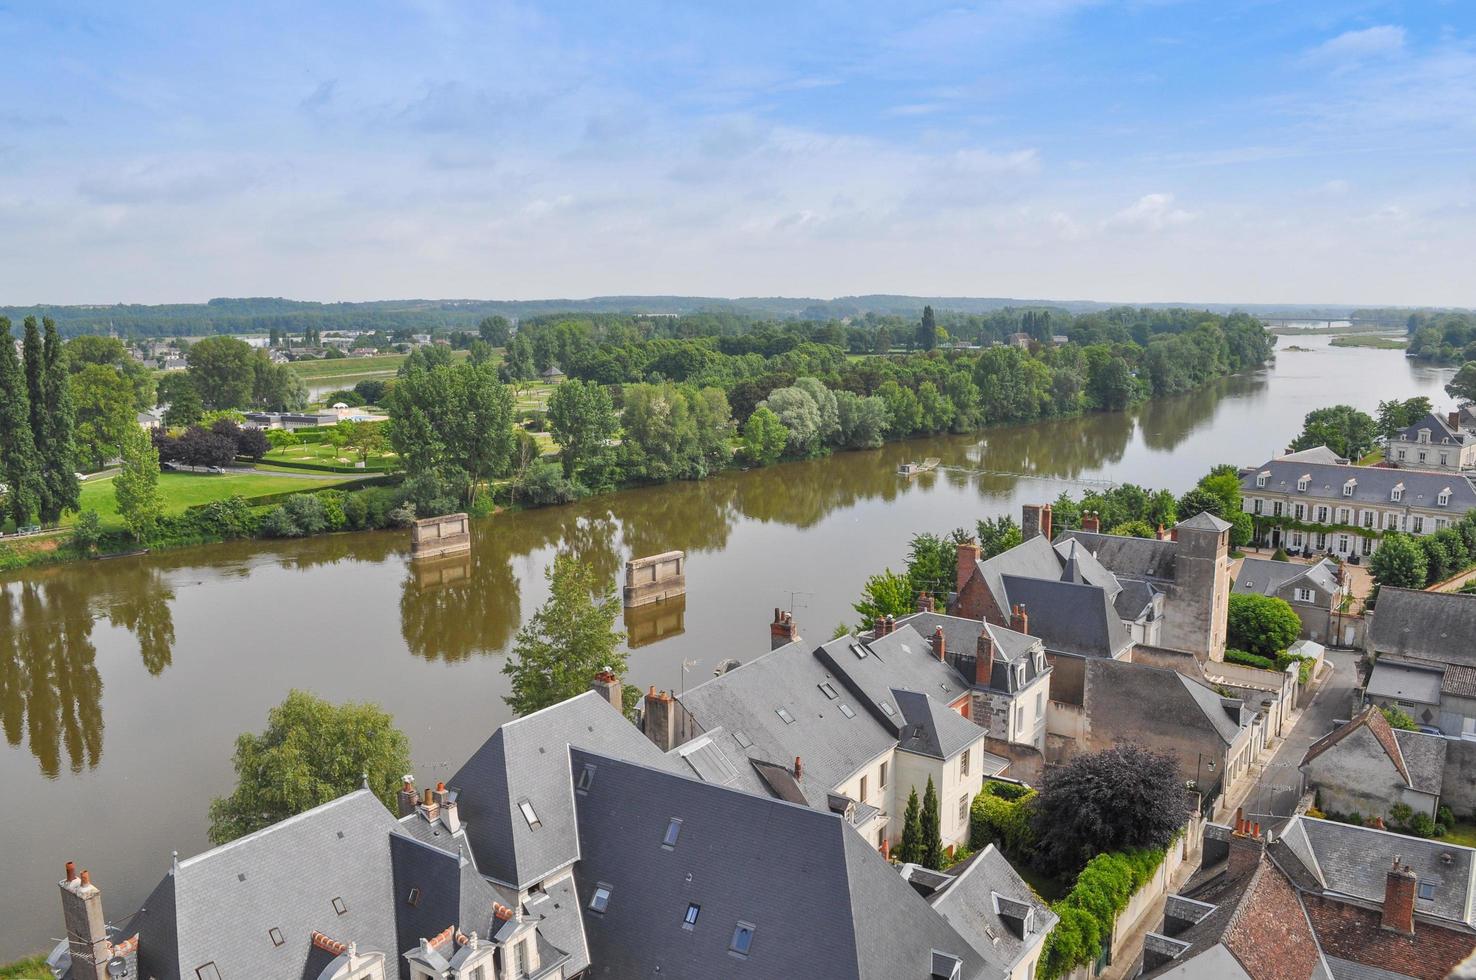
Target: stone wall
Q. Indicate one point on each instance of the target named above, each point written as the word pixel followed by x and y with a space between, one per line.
pixel 431 537
pixel 655 578
pixel 1027 763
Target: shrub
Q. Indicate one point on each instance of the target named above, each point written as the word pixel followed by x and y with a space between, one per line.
pixel 545 484
pixel 225 519
pixel 333 515
pixel 1399 718
pixel 86 532
pixel 1088 912
pixel 1249 659
pixel 1279 555
pixel 1262 624
pixel 1006 823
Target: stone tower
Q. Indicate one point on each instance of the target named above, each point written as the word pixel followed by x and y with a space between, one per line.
pixel 1196 610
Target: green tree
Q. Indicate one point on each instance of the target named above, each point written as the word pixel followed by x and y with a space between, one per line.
pixel 87 532
pixel 19 464
pixel 863 421
pixel 927 330
pixel 932 829
pixel 276 387
pixel 223 370
pixel 1399 562
pixel 764 437
pixel 800 416
pixel 1134 529
pixel 1122 798
pixel 453 418
pixel 494 330
pixel 1463 386
pixel 177 391
pixel 886 594
pixel 1342 428
pixel 1397 717
pixel 582 420
pixel 58 446
pixel 102 400
pixel 136 487
pixel 910 851
pixel 569 640
pixel 311 752
pixel 932 564
pixel 997 535
pixel 1261 624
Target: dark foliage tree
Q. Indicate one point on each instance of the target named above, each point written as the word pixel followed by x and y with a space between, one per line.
pixel 927 330
pixel 58 448
pixel 1119 799
pixel 19 467
pixel 932 829
pixel 910 851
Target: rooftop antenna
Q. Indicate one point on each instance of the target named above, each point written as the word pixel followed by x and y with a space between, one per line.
pixel 799 599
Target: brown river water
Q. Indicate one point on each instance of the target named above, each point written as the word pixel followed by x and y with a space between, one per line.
pixel 124 683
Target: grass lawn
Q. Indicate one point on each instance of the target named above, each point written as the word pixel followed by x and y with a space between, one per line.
pixel 182 490
pixel 33 968
pixel 347 370
pixel 323 453
pixel 1370 340
pixel 1463 834
pixel 1374 455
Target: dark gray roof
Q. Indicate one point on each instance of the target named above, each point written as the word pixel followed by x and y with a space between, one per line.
pixel 1354 861
pixel 450 893
pixel 1035 559
pixel 1205 521
pixel 745 704
pixel 1012 652
pixel 820 901
pixel 513 765
pixel 1424 758
pixel 932 729
pixel 1434 626
pixel 1349 970
pixel 1140 558
pixel 1374 484
pixel 1070 617
pixel 904 658
pixel 220 906
pixel 1265 576
pixel 559 923
pixel 1440 432
pixel 1135 599
pixel 1137 696
pixel 973 897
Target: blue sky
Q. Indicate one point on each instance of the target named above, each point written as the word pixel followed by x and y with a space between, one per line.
pixel 1236 150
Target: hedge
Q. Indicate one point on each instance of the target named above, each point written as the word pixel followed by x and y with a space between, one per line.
pixel 324 467
pixel 272 499
pixel 1088 913
pixel 1001 815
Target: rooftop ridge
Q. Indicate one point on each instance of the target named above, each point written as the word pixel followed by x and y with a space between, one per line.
pixel 280 824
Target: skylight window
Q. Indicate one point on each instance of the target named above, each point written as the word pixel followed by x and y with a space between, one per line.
pixel 693 910
pixel 600 899
pixel 784 715
pixel 742 939
pixel 586 778
pixel 339 906
pixel 887 708
pixel 859 651
pixel 276 936
pixel 1427 891
pixel 207 972
pixel 529 815
pixel 673 831
pixel 827 690
pixel 845 709
pixel 743 740
pixel 413 898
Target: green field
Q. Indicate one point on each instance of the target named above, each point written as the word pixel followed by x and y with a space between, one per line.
pixel 1375 341
pixel 27 969
pixel 182 490
pixel 323 453
pixel 347 370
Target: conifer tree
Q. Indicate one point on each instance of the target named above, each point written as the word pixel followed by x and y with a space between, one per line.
pixel 18 465
pixel 59 455
pixel 932 826
pixel 34 362
pixel 911 850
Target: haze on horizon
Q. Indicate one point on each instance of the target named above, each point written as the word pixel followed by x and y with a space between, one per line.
pixel 1241 151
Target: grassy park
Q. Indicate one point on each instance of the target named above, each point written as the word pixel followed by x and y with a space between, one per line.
pixel 184 490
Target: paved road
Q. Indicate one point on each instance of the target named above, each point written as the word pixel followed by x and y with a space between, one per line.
pixel 1278 785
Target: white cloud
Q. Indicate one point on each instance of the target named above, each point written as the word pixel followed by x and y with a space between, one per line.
pixel 1151 212
pixel 1353 47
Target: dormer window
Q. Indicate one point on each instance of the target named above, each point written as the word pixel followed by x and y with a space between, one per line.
pixel 1427 891
pixel 1443 497
pixel 1397 494
pixel 1424 435
pixel 1262 477
pixel 1349 487
pixel 1302 482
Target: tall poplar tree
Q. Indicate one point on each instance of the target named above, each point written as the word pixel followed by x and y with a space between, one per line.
pixel 911 849
pixel 18 465
pixel 58 450
pixel 33 360
pixel 932 829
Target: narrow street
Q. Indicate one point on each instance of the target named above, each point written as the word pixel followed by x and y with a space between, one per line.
pixel 1277 786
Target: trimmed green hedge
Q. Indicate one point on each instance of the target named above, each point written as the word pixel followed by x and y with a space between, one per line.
pixel 1249 659
pixel 1088 913
pixel 324 467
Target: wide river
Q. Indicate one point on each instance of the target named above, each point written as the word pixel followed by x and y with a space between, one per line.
pixel 124 683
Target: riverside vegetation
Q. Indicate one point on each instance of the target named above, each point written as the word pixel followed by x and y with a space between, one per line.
pixel 647 401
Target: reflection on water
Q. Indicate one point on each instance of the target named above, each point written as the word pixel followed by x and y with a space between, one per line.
pixel 183 650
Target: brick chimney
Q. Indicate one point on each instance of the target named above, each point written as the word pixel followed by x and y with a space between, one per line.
pixel 940 645
pixel 891 623
pixel 87 931
pixel 1019 619
pixel 430 807
pixel 1035 519
pixel 1399 899
pixel 1454 419
pixel 610 689
pixel 984 659
pixel 1091 521
pixel 968 560
pixel 1162 535
pixel 659 721
pixel 407 796
pixel 925 602
pixel 799 769
pixel 782 630
pixel 1245 847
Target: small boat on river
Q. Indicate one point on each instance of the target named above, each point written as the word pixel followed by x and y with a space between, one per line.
pixel 913 469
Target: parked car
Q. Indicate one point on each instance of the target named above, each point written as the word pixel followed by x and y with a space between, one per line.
pixel 1431 730
pixel 81 476
pixel 214 469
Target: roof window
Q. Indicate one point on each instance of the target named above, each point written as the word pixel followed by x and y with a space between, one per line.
pixel 859 651
pixel 887 708
pixel 742 939
pixel 276 936
pixel 1427 891
pixel 673 831
pixel 1443 497
pixel 1302 482
pixel 600 900
pixel 845 709
pixel 339 906
pixel 529 814
pixel 586 778
pixel 828 690
pixel 1349 487
pixel 1397 493
pixel 743 740
pixel 207 972
pixel 413 899
pixel 784 715
pixel 693 910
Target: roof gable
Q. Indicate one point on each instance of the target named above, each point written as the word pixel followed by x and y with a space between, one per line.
pixel 1371 721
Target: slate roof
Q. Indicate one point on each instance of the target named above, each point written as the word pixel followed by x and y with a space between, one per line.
pixel 1414 681
pixel 1036 559
pixel 820 901
pixel 1434 626
pixel 1139 558
pixel 220 906
pixel 902 659
pixel 1317 454
pixel 1215 963
pixel 933 730
pixel 1215 887
pixel 1158 696
pixel 1069 617
pixel 970 900
pixel 961 639
pixel 1440 432
pixel 745 703
pixel 1205 521
pixel 1354 861
pixel 1373 721
pixel 1265 576
pixel 1424 759
pixel 1135 600
pixel 1374 484
pixel 511 766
